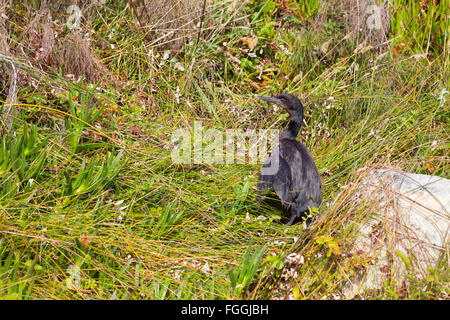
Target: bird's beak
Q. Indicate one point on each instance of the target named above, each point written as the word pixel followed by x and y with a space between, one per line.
pixel 273 100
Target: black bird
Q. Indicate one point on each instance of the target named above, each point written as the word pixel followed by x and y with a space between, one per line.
pixel 290 170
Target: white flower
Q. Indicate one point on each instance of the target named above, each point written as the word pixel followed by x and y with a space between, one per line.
pixel 179 66
pixel 166 55
pixel 206 268
pixel 118 203
pixel 177 95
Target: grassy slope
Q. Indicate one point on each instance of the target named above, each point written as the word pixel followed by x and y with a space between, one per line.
pixel 165 231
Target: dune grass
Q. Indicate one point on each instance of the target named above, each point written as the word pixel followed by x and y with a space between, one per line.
pixel 93 207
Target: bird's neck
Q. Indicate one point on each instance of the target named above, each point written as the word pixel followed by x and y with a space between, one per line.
pixel 293 127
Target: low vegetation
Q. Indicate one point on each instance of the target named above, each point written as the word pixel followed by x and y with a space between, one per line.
pixel 92 205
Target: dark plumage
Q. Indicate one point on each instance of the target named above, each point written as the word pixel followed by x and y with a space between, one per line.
pixel 297 181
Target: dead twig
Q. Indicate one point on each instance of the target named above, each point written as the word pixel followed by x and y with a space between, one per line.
pixel 202 16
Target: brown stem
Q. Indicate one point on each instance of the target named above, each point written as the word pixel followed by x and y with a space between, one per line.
pixel 201 24
pixel 133 7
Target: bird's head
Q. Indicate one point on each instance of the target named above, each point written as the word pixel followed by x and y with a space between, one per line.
pixel 287 101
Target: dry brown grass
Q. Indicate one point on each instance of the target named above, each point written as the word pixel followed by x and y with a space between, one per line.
pixel 4 47
pixel 73 54
pixel 359 18
pixel 8 111
pixel 39 33
pixel 169 23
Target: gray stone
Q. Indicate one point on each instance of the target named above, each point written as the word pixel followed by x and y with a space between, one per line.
pixel 408 230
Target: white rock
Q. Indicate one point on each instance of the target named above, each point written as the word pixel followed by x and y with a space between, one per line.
pixel 411 220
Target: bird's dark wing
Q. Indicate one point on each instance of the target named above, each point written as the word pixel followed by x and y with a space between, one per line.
pixel 265 182
pixel 306 189
pixel 279 181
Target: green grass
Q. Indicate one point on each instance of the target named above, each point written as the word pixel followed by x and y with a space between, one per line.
pixel 94 207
